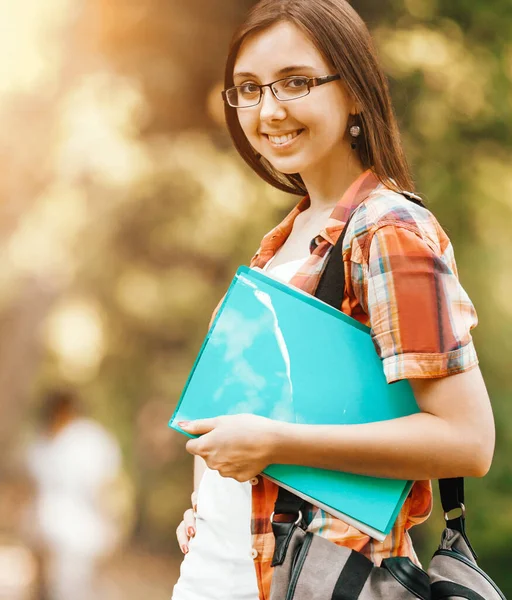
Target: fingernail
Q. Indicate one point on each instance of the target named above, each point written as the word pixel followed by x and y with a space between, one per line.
pixel 183 424
pixel 191 531
pixel 184 549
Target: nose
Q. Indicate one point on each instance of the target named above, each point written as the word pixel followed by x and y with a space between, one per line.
pixel 270 107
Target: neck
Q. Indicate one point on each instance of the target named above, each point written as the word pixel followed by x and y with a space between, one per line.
pixel 327 183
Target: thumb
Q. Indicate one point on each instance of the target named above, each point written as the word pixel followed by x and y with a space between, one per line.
pixel 199 426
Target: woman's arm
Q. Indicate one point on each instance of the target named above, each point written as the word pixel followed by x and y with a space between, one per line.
pixel 452 436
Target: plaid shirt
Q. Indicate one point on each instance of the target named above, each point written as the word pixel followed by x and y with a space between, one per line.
pixel 401 280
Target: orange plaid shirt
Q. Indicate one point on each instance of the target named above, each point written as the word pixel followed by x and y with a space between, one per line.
pixel 400 280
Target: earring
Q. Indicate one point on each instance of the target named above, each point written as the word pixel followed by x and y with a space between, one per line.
pixel 354 131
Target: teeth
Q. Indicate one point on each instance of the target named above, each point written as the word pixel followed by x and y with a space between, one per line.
pixel 282 139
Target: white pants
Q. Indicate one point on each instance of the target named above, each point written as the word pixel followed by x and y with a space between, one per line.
pixel 219 565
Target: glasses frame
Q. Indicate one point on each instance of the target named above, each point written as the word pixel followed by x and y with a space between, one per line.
pixel 310 82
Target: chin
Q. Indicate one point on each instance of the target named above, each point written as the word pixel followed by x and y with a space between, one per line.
pixel 287 167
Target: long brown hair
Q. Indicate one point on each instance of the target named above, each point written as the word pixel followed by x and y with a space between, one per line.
pixel 344 40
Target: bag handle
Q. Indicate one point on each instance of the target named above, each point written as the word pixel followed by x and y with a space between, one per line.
pixel 331 289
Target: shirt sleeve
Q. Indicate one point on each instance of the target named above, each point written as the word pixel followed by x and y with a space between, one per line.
pixel 420 315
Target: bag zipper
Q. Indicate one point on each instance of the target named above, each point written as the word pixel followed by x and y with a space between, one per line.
pixel 297 565
pixel 458 556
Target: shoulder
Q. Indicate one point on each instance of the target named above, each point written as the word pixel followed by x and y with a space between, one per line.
pixel 386 212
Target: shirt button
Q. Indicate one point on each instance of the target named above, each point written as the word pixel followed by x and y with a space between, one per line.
pixel 254 553
pixel 254 481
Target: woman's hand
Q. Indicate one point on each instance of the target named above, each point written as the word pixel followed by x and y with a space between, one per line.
pixel 187 528
pixel 237 446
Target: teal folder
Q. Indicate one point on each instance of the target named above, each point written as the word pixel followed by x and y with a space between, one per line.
pixel 275 351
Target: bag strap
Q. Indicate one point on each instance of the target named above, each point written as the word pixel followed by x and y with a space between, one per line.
pixel 452 498
pixel 331 289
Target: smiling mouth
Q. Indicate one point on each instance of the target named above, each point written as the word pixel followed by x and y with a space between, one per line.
pixel 281 140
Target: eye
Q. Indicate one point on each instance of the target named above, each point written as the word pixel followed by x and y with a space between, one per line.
pixel 296 83
pixel 249 89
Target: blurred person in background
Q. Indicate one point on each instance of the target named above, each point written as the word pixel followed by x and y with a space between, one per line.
pixel 308 108
pixel 74 462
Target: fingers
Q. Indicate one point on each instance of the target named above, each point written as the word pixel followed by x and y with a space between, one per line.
pixel 186 530
pixel 182 537
pixel 233 474
pixel 192 447
pixel 190 522
pixel 193 500
pixel 198 427
pixel 197 446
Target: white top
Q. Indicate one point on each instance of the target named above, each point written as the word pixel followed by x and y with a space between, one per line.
pixel 219 564
pixel 285 271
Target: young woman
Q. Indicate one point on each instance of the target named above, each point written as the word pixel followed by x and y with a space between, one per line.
pixel 308 109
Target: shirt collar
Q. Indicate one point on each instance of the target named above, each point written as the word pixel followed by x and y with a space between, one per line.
pixel 358 191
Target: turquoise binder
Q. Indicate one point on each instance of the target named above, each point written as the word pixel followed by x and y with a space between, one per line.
pixel 275 351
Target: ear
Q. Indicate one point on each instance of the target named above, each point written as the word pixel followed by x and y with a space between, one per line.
pixel 355 108
pixel 353 105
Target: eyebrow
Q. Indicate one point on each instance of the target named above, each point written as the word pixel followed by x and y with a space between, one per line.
pixel 283 71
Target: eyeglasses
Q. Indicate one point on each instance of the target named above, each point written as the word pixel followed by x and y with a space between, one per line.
pixel 289 88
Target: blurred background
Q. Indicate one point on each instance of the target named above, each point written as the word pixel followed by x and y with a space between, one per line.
pixel 124 212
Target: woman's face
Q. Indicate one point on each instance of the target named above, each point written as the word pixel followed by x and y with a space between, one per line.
pixel 317 122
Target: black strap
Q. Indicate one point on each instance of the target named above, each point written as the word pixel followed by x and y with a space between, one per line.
pixel 409 575
pixel 452 497
pixel 331 286
pixel 452 493
pixel 288 503
pixel 283 533
pixel 352 578
pixel 447 589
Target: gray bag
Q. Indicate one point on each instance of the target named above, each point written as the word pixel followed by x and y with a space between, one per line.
pixel 309 567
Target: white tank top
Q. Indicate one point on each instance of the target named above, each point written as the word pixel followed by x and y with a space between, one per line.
pixel 285 271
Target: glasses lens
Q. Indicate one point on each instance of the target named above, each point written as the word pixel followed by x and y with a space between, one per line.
pixel 291 87
pixel 244 95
